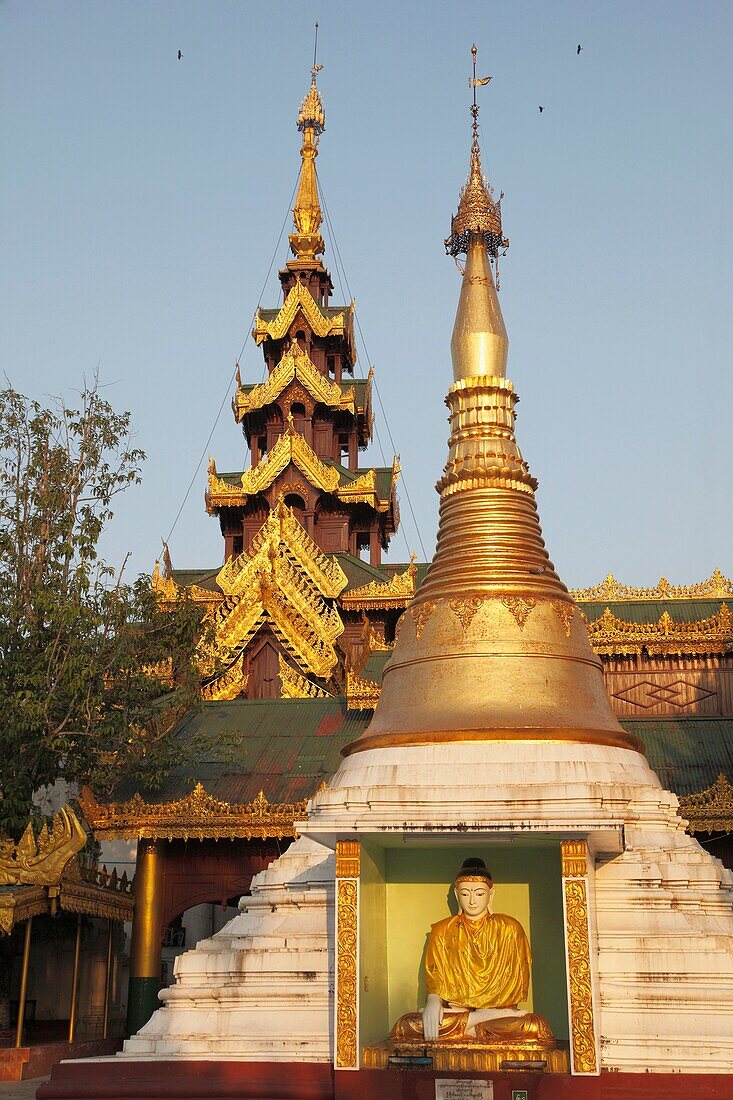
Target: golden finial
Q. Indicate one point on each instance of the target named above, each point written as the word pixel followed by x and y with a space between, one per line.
pixel 477 213
pixel 307 243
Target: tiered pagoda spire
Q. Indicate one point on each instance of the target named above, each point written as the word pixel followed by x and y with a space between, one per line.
pixel 492 647
pixel 302 522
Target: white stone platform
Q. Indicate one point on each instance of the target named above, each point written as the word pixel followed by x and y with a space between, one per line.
pixel 261 989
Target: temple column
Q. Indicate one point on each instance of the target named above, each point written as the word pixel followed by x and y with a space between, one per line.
pixel 346 1000
pixel 147 935
pixel 580 958
pixel 353 451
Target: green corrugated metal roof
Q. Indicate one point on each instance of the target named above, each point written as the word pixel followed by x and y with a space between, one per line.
pixel 359 572
pixel 285 747
pixel 204 578
pixel 688 754
pixel 649 611
pixel 288 747
pixel 374 666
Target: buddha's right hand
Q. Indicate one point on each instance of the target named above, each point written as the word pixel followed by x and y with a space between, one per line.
pixel 432 1016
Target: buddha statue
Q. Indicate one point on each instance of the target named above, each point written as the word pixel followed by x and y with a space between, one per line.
pixel 477 968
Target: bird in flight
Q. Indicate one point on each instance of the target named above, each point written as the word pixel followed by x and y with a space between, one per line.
pixel 180 55
pixel 541 109
pixel 579 49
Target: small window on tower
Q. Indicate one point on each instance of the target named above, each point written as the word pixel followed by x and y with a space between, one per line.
pixel 262 444
pixel 331 363
pixel 362 545
pixel 344 445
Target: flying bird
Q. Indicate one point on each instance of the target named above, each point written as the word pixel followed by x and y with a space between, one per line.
pixel 180 55
pixel 541 109
pixel 579 49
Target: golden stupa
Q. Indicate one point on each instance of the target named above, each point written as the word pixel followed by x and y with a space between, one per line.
pixel 492 647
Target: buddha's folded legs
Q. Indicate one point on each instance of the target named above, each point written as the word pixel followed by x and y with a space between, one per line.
pixel 484 1026
pixel 409 1027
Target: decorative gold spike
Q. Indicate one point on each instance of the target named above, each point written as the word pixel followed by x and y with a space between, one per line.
pixel 307 243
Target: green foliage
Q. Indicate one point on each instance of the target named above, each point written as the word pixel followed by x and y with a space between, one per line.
pixel 93 672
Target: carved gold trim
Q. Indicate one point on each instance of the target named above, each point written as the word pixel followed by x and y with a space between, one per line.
pixel 21 903
pixel 565 613
pixel 229 685
pixel 195 816
pixel 716 587
pixel 421 614
pixel 347 939
pixel 577 942
pixel 610 635
pixel 711 810
pixel 472 1058
pixel 282 528
pixel 361 694
pixel 290 447
pixel 520 607
pixel 294 363
pixel 574 856
pixel 300 299
pixel 91 891
pixel 40 860
pixel 466 608
pixel 295 686
pixel 394 593
pixel 348 859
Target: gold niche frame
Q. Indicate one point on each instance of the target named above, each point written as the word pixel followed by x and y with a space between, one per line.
pixel 346 1000
pixel 584 1052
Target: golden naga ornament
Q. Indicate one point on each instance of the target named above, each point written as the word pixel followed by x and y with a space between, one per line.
pixel 40 860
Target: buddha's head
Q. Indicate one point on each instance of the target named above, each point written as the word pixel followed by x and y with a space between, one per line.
pixel 474 889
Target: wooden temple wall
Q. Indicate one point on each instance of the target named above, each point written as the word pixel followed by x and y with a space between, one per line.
pixel 670 686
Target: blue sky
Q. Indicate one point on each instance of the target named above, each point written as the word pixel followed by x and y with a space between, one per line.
pixel 142 198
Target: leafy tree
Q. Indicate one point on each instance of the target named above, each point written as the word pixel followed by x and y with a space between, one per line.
pixel 94 673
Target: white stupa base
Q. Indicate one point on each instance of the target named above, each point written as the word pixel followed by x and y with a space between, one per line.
pixel 261 988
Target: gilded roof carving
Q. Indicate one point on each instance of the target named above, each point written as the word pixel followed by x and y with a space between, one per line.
pixel 610 635
pixel 294 363
pixel 295 686
pixel 300 300
pixel 231 684
pixel 293 447
pixel 711 810
pixel 361 694
pixel 394 593
pixel 286 578
pixel 717 587
pixel 197 816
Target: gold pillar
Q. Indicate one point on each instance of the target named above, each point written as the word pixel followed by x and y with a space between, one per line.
pixel 146 949
pixel 584 1053
pixel 75 980
pixel 346 1008
pixel 107 980
pixel 23 982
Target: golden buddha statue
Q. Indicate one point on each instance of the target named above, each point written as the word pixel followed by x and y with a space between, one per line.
pixel 477 968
